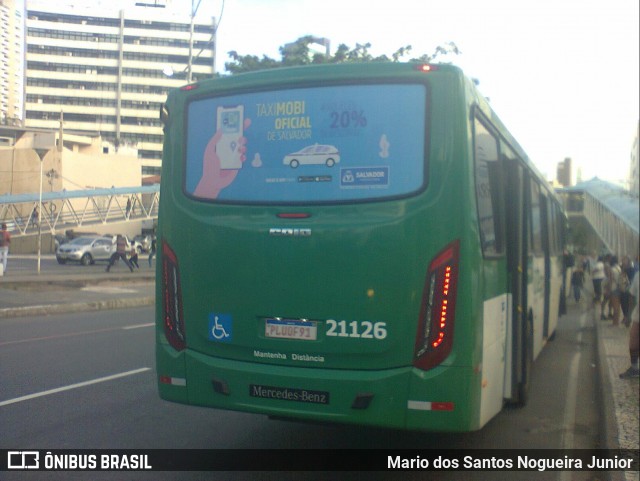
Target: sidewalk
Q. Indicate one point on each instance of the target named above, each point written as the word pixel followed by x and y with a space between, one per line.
pixel 621 424
pixel 64 289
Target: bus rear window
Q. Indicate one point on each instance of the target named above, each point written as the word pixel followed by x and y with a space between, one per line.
pixel 307 145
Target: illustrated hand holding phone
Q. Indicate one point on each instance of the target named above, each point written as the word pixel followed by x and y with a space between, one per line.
pixel 225 152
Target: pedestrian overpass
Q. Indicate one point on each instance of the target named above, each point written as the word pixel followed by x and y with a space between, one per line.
pixel 29 215
pixel 611 211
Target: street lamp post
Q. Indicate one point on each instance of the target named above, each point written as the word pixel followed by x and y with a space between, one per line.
pixel 40 216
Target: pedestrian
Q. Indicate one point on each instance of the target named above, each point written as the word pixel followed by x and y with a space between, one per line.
pixel 634 333
pixel 5 242
pixel 615 275
pixel 626 278
pixel 34 217
pixel 152 252
pixel 128 207
pixel 133 259
pixel 597 276
pixel 605 307
pixel 120 253
pixel 577 281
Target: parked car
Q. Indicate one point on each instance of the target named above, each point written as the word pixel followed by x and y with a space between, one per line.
pixel 144 241
pixel 313 154
pixel 86 250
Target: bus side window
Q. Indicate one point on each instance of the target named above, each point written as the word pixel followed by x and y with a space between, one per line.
pixel 536 219
pixel 488 190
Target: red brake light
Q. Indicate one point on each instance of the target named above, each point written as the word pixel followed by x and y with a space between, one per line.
pixel 189 87
pixel 426 67
pixel 434 338
pixel 173 319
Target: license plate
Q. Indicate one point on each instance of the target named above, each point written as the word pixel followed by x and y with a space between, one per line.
pixel 291 329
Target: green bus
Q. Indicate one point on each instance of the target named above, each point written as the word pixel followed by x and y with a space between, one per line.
pixel 354 243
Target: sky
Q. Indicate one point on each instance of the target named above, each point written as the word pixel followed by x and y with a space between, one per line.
pixel 561 74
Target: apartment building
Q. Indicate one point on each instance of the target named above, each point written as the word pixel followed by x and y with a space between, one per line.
pixel 12 65
pixel 109 70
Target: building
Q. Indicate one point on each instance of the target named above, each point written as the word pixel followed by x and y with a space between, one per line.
pixel 109 70
pixel 12 65
pixel 563 173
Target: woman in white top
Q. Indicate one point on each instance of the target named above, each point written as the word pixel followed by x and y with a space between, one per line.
pixel 614 286
pixel 597 275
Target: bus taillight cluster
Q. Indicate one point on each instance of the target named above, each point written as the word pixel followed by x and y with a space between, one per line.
pixel 172 300
pixel 434 337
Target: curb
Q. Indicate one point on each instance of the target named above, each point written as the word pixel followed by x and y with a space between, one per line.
pixel 608 424
pixel 52 309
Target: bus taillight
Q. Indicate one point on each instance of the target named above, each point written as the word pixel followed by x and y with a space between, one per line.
pixel 425 67
pixel 172 300
pixel 434 338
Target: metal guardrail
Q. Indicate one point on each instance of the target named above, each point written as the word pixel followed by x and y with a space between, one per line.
pixel 74 209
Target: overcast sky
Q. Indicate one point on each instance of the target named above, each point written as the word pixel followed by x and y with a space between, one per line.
pixel 561 74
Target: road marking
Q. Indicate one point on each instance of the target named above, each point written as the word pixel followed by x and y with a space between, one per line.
pixel 569 424
pixel 73 386
pixel 73 334
pixel 108 290
pixel 138 326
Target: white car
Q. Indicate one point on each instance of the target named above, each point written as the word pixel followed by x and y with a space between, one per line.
pixel 86 250
pixel 316 154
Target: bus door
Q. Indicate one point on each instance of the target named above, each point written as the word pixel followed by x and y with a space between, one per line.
pixel 544 212
pixel 519 338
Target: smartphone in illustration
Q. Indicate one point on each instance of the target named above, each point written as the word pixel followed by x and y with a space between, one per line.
pixel 230 121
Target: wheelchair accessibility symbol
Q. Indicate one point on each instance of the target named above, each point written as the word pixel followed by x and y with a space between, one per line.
pixel 220 327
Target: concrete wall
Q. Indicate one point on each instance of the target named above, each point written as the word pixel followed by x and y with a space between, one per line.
pixel 81 165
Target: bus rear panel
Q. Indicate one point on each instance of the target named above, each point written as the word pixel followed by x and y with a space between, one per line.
pixel 319 253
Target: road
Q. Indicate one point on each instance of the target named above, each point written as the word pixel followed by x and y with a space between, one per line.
pixel 87 380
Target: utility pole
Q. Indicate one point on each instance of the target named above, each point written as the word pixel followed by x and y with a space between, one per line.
pixel 194 10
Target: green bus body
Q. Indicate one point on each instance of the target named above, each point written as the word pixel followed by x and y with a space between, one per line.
pixel 411 309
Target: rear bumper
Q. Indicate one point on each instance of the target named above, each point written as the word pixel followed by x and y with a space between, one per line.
pixel 402 398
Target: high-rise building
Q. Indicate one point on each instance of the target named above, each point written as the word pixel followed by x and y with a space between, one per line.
pixel 564 172
pixel 109 70
pixel 12 65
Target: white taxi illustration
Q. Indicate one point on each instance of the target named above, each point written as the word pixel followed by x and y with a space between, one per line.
pixel 316 154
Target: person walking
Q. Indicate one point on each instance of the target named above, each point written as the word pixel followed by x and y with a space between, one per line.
pixel 577 281
pixel 133 259
pixel 34 217
pixel 120 253
pixel 614 292
pixel 626 300
pixel 5 242
pixel 634 332
pixel 152 252
pixel 597 276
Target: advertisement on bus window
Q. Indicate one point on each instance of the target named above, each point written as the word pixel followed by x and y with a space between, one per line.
pixel 325 144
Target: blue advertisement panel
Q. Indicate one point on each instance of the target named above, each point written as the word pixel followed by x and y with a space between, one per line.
pixel 323 144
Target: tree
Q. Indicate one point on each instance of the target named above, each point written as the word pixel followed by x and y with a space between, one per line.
pixel 299 53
